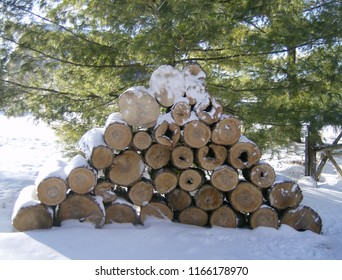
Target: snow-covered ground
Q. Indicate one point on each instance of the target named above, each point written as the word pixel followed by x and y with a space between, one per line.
pixel 25 147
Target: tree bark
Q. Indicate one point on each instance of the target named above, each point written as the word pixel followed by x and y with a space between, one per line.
pixel 181 111
pixel 179 199
pixel 226 131
pixel 196 134
pixel 104 188
pixel 208 198
pixel 193 216
pixel 224 178
pixel 141 192
pixel 225 216
pixel 157 156
pixel 261 174
pixel 265 216
pixel 121 211
pixel 191 179
pixel 182 157
pixel 118 134
pixel 211 156
pixel 165 180
pixel 142 140
pixel 209 110
pixel 167 134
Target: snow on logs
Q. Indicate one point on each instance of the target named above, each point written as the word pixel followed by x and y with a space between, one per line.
pixel 170 152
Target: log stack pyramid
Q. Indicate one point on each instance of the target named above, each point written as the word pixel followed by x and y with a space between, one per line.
pixel 170 152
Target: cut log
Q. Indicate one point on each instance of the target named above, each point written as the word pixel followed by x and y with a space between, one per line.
pixel 29 213
pixel 193 216
pixel 81 177
pixel 51 183
pixel 142 140
pixel 121 211
pixel 127 168
pixel 209 110
pixel 118 134
pixel 138 107
pixel 194 77
pixel 265 216
pixel 104 188
pixel 211 156
pixel 196 134
pixel 157 208
pixel 227 217
pixel 191 179
pixel 243 154
pixel 284 193
pixel 165 180
pixel 224 178
pixel 182 157
pixel 245 198
pixel 181 111
pixel 83 208
pixel 95 149
pixel 261 174
pixel 157 156
pixel 167 133
pixel 141 192
pixel 303 218
pixel 179 199
pixel 208 198
pixel 226 131
pixel 167 85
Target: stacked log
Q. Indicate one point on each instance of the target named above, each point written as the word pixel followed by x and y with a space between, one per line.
pixel 190 164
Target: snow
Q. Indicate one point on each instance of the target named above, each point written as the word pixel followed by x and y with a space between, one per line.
pixel 25 147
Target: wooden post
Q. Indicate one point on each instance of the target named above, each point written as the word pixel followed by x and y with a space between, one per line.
pixel 310 153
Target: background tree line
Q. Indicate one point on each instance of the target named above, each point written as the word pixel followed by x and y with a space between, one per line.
pixel 273 64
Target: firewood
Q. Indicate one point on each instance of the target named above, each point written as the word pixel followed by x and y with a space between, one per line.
pixel 165 180
pixel 224 178
pixel 243 154
pixel 194 77
pixel 51 183
pixel 225 216
pixel 81 177
pixel 261 174
pixel 157 208
pixel 141 192
pixel 191 179
pixel 193 216
pixel 284 193
pixel 227 131
pixel 142 140
pixel 182 157
pixel 166 132
pixel 83 208
pixel 208 110
pixel 29 213
pixel 211 156
pixel 121 211
pixel 303 218
pixel 179 199
pixel 208 198
pixel 118 134
pixel 181 111
pixel 95 149
pixel 245 198
pixel 167 85
pixel 138 107
pixel 265 216
pixel 157 156
pixel 127 168
pixel 104 188
pixel 196 134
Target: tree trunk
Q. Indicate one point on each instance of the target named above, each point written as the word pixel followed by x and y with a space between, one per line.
pixel 225 216
pixel 139 108
pixel 211 156
pixel 157 156
pixel 167 134
pixel 104 189
pixel 121 211
pixel 265 216
pixel 191 179
pixel 51 183
pixel 303 218
pixel 29 213
pixel 243 154
pixel 284 194
pixel 179 199
pixel 95 149
pixel 209 110
pixel 261 174
pixel 181 111
pixel 141 192
pixel 127 168
pixel 81 177
pixel 142 140
pixel 193 216
pixel 208 198
pixel 245 198
pixel 182 157
pixel 224 178
pixel 165 180
pixel 118 134
pixel 82 208
pixel 157 208
pixel 196 134
pixel 226 131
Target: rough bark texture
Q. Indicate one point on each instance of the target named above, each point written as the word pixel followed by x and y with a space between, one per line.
pixel 224 178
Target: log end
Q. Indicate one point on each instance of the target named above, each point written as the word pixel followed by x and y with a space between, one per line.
pixel 193 216
pixel 52 191
pixel 156 209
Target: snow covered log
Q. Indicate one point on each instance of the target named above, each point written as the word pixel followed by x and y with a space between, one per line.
pixel 142 140
pixel 208 110
pixel 225 178
pixel 141 192
pixel 211 156
pixel 225 216
pixel 178 199
pixel 81 177
pixel 157 208
pixel 29 213
pixel 104 188
pixel 208 198
pixel 51 183
pixel 167 133
pixel 118 134
pixel 157 156
pixel 303 218
pixel 227 131
pixel 193 216
pixel 95 149
pixel 85 208
pixel 121 211
pixel 182 157
pixel 181 111
pixel 194 77
pixel 261 174
pixel 196 134
pixel 138 107
pixel 191 179
pixel 165 179
pixel 265 216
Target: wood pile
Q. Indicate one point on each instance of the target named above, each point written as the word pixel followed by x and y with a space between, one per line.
pixel 172 153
